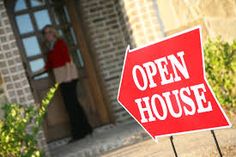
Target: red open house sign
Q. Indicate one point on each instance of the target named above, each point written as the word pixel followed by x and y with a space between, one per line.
pixel 163 86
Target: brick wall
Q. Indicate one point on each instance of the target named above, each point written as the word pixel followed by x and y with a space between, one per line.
pixel 2 97
pixel 142 21
pixel 15 83
pixel 104 25
pixel 110 26
pixel 216 16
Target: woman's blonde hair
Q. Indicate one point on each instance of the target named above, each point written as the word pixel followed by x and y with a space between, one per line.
pixel 51 28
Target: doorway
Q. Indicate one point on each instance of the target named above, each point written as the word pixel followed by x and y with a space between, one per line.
pixel 28 17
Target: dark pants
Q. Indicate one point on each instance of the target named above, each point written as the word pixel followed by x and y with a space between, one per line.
pixel 79 123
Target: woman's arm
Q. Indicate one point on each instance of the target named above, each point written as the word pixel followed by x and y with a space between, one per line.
pixel 38 72
pixel 42 70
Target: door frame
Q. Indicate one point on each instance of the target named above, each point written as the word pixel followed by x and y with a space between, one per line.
pixel 97 91
pixel 106 116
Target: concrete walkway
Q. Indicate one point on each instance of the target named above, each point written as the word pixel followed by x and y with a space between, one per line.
pixel 132 141
pixel 189 145
pixel 102 140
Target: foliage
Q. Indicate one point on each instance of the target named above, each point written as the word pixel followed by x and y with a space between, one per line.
pixel 220 64
pixel 20 127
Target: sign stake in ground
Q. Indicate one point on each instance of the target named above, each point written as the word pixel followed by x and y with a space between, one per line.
pixel 216 142
pixel 164 88
pixel 173 146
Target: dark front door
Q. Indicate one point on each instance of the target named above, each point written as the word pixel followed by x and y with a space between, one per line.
pixel 28 18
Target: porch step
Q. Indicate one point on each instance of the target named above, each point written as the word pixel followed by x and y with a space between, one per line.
pixel 103 139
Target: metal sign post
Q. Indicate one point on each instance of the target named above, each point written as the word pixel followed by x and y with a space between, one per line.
pixel 216 142
pixel 173 146
pixel 214 137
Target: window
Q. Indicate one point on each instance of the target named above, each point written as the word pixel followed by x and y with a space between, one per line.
pixel 24 23
pixel 30 17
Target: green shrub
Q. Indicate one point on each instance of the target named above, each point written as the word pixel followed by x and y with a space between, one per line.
pixel 220 65
pixel 20 127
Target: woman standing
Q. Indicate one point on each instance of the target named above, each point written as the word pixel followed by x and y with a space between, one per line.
pixel 66 74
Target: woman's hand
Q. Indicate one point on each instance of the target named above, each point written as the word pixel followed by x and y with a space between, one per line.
pixel 39 72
